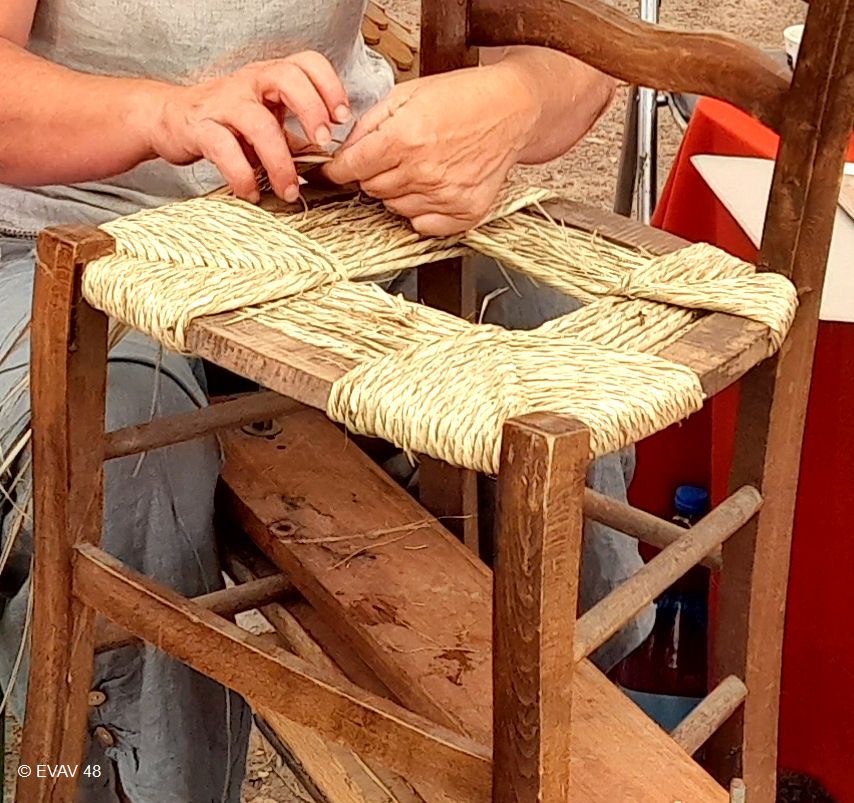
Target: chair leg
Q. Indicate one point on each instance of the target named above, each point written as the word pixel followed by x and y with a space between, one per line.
pixel 751 616
pixel 541 486
pixel 69 341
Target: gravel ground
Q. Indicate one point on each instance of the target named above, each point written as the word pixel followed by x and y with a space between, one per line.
pixel 587 174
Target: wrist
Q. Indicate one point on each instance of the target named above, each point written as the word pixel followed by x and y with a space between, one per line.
pixel 519 86
pixel 147 118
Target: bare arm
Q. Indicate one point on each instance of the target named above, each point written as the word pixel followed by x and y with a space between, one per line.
pixel 570 96
pixel 58 126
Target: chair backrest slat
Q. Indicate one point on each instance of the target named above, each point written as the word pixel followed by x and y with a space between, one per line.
pixel 702 63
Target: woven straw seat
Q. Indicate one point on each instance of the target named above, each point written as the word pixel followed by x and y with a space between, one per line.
pixel 425 380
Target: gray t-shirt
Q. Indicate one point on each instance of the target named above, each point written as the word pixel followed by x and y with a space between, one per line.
pixel 180 42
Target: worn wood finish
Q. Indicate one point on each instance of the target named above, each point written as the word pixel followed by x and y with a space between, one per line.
pixel 250 594
pixel 357 526
pixel 444 37
pixel 290 367
pixel 640 53
pixel 638 523
pixel 815 135
pixel 69 374
pixel 544 460
pixel 338 772
pixel 715 709
pixel 605 618
pixel 614 227
pixel 449 491
pixel 417 610
pixel 166 431
pixel 267 676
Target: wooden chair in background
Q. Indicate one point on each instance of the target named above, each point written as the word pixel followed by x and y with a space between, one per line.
pixel 408 676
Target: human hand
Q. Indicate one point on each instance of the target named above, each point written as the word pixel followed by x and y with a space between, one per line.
pixel 438 149
pixel 237 121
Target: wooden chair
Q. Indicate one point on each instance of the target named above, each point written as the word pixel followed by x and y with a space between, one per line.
pixel 464 693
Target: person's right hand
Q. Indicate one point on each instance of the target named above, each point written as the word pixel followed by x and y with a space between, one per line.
pixel 237 121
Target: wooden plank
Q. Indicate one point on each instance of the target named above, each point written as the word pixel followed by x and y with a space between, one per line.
pixel 643 54
pixel 720 349
pixel 69 375
pixel 420 617
pixel 798 228
pixel 605 618
pixel 278 362
pixel 276 680
pixel 360 498
pixel 339 773
pixel 544 460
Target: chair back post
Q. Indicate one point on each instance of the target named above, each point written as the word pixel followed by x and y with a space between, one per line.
pixel 815 131
pixel 444 36
pixel 445 490
pixel 818 119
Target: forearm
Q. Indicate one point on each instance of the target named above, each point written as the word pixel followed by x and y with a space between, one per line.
pixel 58 126
pixel 569 97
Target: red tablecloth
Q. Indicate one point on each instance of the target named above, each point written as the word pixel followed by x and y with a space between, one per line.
pixel 817 714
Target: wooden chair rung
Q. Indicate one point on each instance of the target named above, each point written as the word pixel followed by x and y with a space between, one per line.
pixel 715 709
pixel 236 412
pixel 225 602
pixel 603 620
pixel 639 524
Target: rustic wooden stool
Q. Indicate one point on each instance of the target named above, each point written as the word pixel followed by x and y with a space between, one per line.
pixel 431 684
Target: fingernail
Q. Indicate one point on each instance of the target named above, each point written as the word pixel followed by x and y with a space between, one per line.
pixel 292 193
pixel 342 114
pixel 323 136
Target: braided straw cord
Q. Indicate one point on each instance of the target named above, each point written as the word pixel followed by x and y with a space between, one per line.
pixel 427 381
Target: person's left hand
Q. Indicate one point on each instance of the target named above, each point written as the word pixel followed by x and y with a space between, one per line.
pixel 438 149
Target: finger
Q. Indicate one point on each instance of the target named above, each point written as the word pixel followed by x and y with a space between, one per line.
pixel 437 225
pixel 379 113
pixel 374 154
pixel 327 83
pixel 220 146
pixel 286 83
pixel 259 127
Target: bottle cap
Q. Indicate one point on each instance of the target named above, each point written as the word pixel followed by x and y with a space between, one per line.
pixel 691 500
